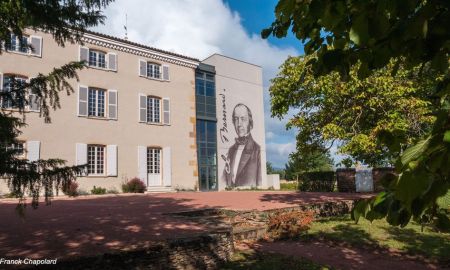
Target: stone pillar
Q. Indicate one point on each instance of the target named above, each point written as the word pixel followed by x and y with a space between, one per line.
pixel 346 180
pixel 378 174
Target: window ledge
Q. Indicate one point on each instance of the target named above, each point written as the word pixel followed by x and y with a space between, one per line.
pixel 154 79
pixel 24 54
pixel 100 68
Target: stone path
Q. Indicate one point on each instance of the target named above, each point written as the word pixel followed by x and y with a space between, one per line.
pixel 93 225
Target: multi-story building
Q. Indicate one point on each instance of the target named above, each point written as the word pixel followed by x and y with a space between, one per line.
pixel 138 111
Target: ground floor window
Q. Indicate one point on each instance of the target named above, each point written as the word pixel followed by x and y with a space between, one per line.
pixel 96 159
pixel 153 160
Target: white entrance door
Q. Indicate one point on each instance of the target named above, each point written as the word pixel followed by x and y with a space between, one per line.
pixel 154 167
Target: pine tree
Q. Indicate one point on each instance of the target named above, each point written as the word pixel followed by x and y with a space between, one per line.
pixel 66 21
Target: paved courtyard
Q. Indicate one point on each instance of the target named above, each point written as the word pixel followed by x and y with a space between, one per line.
pixel 91 225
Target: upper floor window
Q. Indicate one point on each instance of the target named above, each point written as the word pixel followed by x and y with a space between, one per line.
pixel 18 44
pixel 151 109
pixel 96 159
pixel 18 148
pixel 95 102
pixel 9 98
pixel 31 45
pixel 97 59
pixel 153 70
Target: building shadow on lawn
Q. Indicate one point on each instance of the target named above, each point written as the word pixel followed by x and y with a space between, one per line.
pixel 348 234
pixel 90 226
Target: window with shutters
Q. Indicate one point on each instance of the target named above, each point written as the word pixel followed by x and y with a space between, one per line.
pixel 95 159
pixel 153 109
pixel 97 59
pixel 96 102
pixel 17 44
pixel 11 90
pixel 18 148
pixel 153 70
pixel 153 160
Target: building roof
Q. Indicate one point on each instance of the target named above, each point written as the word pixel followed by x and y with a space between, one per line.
pixel 141 45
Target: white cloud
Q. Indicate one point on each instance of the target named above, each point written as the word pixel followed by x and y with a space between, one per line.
pixel 278 153
pixel 199 28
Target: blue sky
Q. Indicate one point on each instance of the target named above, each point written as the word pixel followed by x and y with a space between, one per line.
pixel 200 28
pixel 259 14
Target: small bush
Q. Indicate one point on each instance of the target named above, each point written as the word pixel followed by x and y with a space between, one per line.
pixel 134 185
pixel 71 189
pixel 282 225
pixel 98 190
pixel 289 186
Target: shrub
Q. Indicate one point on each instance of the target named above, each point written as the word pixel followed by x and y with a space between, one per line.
pixel 317 181
pixel 134 185
pixel 71 189
pixel 292 224
pixel 98 190
pixel 289 186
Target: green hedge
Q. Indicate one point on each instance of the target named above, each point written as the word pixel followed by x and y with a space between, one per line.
pixel 317 181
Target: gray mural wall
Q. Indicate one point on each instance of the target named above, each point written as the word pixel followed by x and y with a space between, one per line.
pixel 241 145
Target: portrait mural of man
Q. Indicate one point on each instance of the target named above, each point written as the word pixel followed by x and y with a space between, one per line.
pixel 244 156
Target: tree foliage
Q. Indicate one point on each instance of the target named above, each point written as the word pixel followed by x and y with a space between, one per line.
pixel 369 34
pixel 66 21
pixel 315 160
pixel 357 113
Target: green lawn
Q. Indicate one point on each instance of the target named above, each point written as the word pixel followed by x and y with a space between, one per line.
pixel 250 259
pixel 410 239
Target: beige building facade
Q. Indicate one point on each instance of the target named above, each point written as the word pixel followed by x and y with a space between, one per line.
pixel 133 112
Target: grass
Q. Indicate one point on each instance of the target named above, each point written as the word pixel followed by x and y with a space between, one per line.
pixel 250 259
pixel 410 239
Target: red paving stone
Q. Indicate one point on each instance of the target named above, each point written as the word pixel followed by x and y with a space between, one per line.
pixel 343 257
pixel 92 225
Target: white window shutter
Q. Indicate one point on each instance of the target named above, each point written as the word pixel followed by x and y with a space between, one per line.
pixel 33 150
pixel 82 100
pixel 1 81
pixel 34 104
pixel 142 68
pixel 84 54
pixel 142 163
pixel 166 111
pixel 142 108
pixel 112 61
pixel 166 75
pixel 167 167
pixel 112 104
pixel 111 161
pixel 81 154
pixel 36 44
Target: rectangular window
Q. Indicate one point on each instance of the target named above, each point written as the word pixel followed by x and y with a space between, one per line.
pixel 18 45
pixel 153 160
pixel 153 110
pixel 18 147
pixel 153 71
pixel 96 103
pixel 11 84
pixel 205 91
pixel 96 159
pixel 97 59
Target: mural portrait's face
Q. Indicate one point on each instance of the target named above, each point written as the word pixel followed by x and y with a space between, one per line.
pixel 241 121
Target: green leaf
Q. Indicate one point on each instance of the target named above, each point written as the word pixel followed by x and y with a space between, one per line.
pixel 359 31
pixel 442 222
pixel 447 136
pixel 415 151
